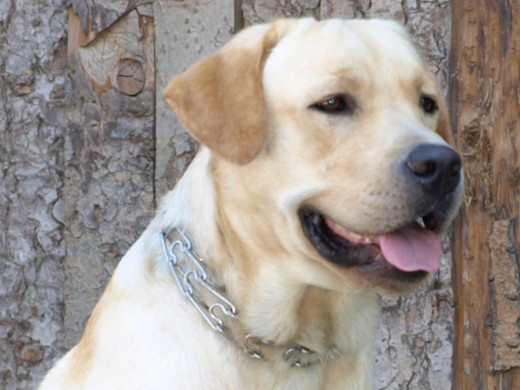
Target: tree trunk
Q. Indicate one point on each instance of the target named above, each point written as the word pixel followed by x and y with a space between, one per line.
pixel 486 90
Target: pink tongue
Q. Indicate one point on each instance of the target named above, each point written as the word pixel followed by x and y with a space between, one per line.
pixel 412 249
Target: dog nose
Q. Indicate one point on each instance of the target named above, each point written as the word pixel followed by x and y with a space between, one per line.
pixel 435 167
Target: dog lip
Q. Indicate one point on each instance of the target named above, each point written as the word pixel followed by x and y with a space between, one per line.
pixel 336 244
pixel 390 278
pixel 345 248
pixel 350 236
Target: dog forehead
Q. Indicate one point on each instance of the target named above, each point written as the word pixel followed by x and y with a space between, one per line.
pixel 343 48
pixel 373 39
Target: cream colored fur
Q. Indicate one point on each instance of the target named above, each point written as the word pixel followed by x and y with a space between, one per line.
pixel 238 203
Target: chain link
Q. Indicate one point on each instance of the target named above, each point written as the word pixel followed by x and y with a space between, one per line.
pixel 192 274
pixel 195 273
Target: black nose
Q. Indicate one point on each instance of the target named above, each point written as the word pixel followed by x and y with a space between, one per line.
pixel 435 167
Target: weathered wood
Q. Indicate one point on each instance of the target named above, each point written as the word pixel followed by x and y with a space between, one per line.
pixel 95 16
pixel 505 294
pixel 185 32
pixel 33 107
pixel 77 36
pixel 109 157
pixel 260 11
pixel 486 80
pixel 121 53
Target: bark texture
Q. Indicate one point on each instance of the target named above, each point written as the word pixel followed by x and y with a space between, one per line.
pixel 109 154
pixel 486 86
pixel 34 89
pixel 77 162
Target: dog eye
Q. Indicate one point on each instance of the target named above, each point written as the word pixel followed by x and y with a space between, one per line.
pixel 336 105
pixel 428 104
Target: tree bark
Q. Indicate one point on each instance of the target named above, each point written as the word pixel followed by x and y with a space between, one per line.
pixel 33 103
pixel 109 155
pixel 485 98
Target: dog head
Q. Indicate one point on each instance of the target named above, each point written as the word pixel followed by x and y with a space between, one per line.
pixel 347 135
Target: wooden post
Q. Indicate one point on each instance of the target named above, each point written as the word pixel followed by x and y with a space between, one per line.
pixel 486 110
pixel 108 158
pixel 185 31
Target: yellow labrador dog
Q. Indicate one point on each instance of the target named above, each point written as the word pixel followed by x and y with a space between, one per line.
pixel 325 176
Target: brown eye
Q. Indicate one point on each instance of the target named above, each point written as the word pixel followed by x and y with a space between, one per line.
pixel 428 104
pixel 336 105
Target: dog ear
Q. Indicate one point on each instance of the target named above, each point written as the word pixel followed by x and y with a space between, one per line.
pixel 220 99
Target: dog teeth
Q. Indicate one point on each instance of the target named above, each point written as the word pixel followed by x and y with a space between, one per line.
pixel 355 237
pixel 420 221
pixel 359 239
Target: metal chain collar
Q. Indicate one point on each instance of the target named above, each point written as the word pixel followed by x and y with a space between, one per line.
pixel 192 279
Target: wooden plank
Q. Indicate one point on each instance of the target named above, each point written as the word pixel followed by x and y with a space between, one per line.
pixel 505 294
pixel 108 157
pixel 76 36
pixel 486 86
pixel 185 31
pixel 90 18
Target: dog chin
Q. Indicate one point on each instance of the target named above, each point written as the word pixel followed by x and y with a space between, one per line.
pixel 388 280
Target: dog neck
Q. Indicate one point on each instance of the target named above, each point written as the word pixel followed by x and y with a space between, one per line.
pixel 194 282
pixel 276 311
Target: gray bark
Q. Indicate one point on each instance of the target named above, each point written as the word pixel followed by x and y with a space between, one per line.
pixel 34 89
pixel 109 160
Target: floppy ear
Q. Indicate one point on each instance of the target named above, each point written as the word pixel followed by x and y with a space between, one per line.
pixel 221 99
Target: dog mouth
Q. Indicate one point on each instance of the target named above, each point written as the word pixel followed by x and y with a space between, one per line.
pixel 411 251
